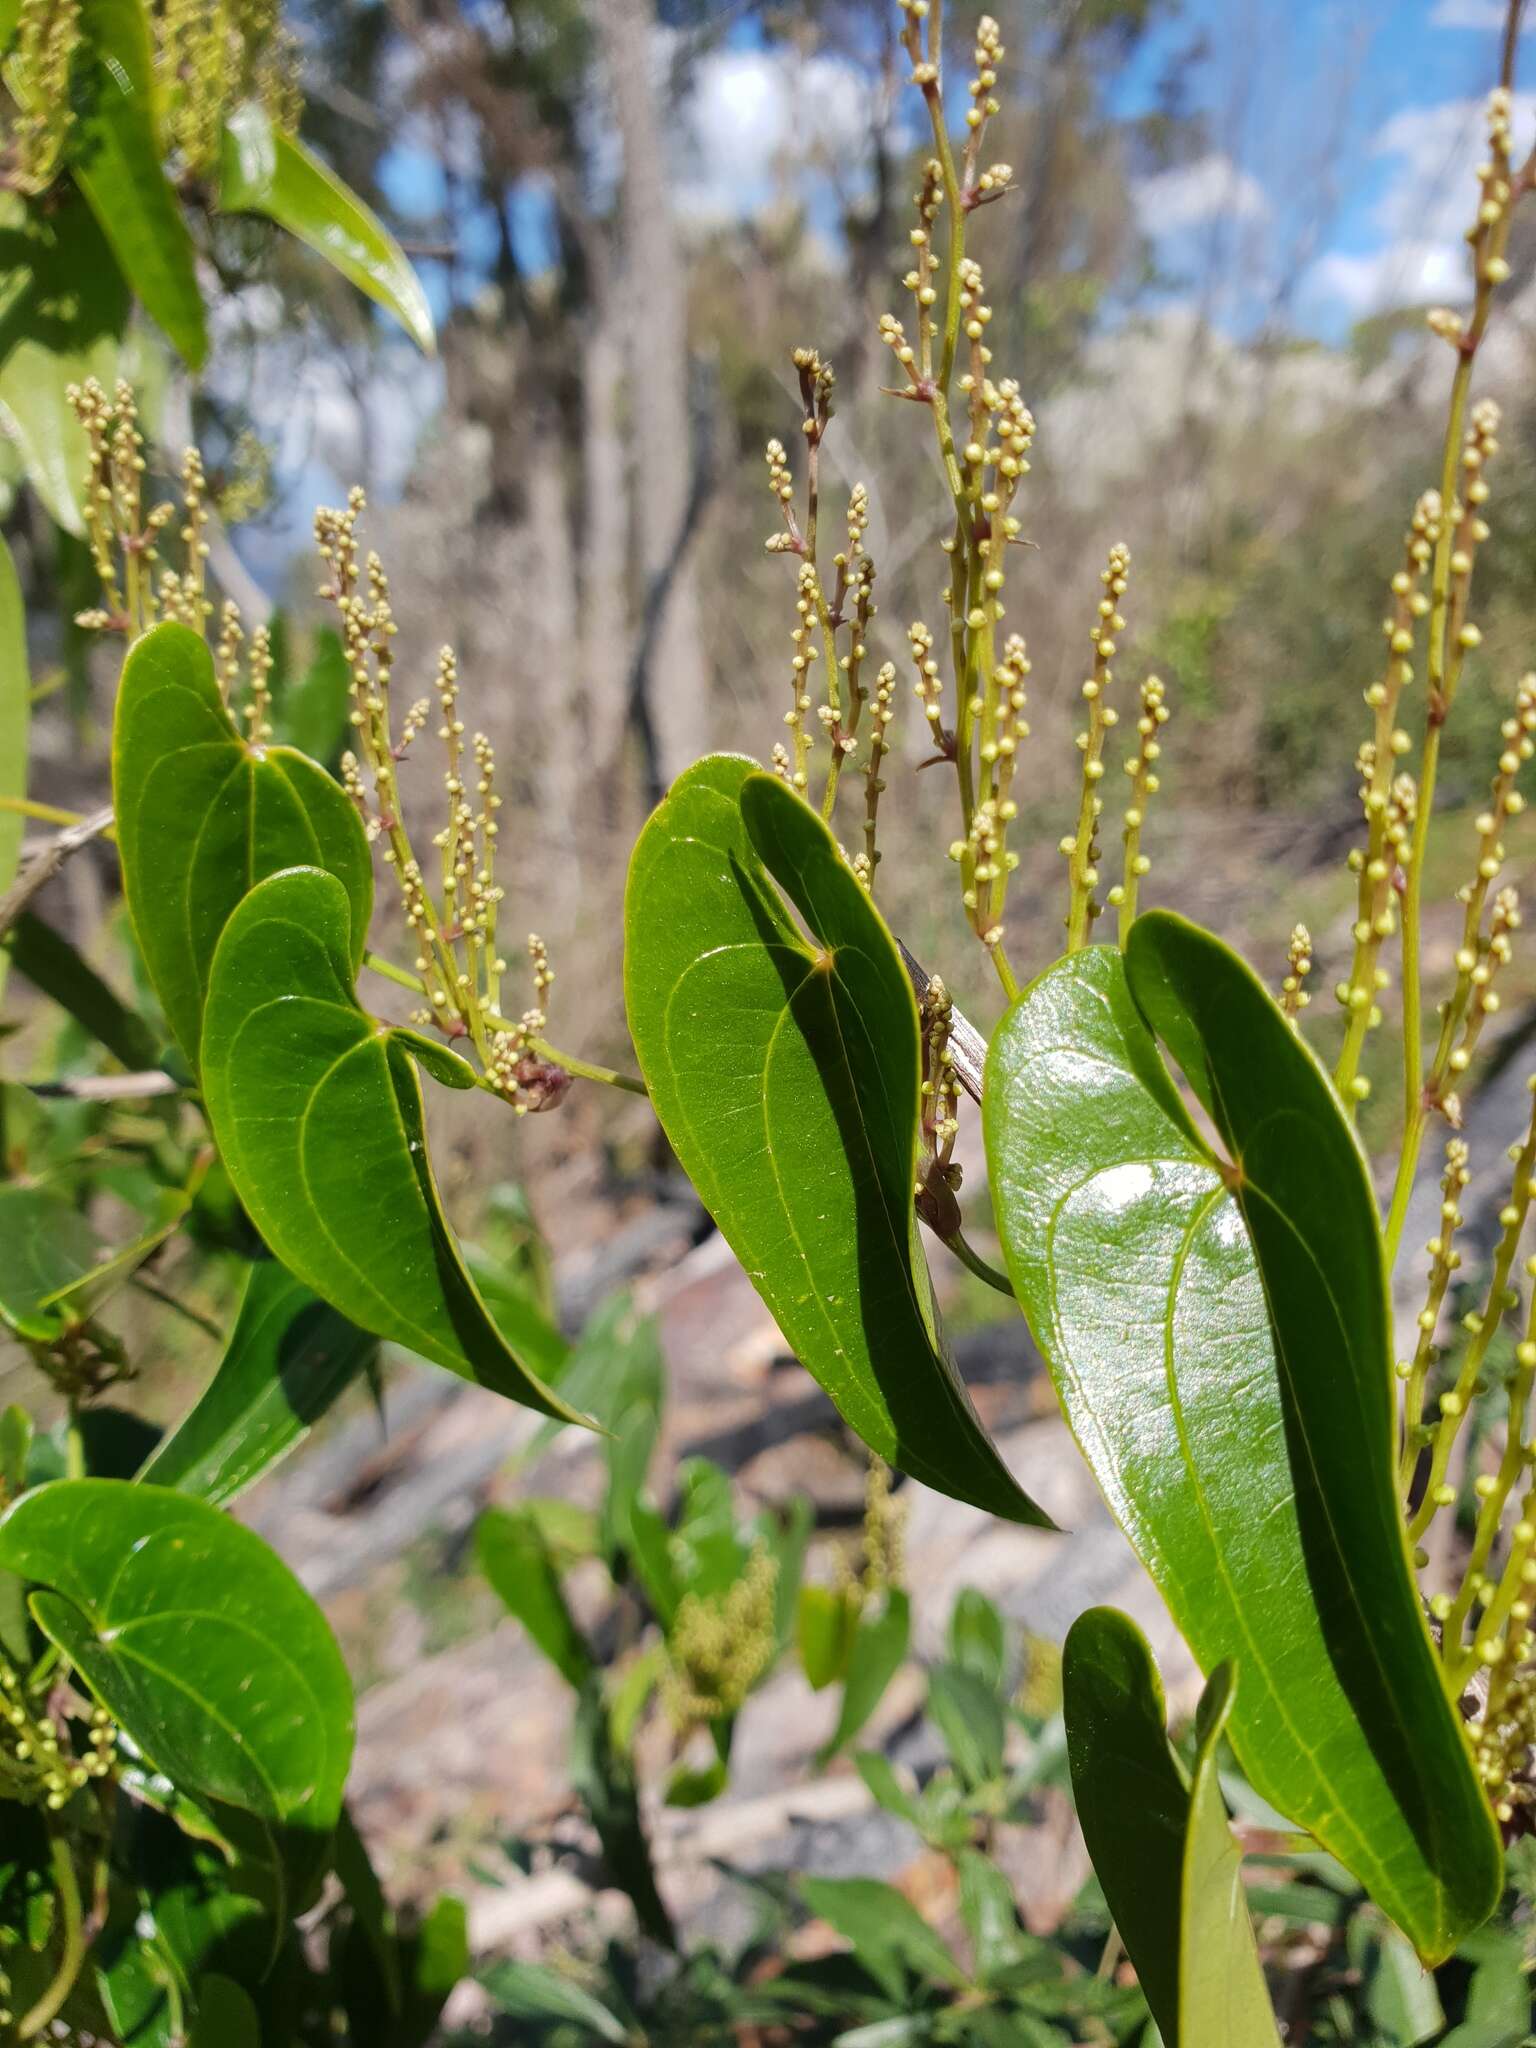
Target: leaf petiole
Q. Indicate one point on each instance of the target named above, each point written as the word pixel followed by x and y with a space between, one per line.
pixel 973 1262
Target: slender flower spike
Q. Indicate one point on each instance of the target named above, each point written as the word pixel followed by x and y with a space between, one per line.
pixel 1081 848
pixel 1145 783
pixel 1294 997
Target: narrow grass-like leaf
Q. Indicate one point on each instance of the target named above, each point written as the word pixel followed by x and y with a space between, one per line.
pixel 1217 1331
pixel 827 1619
pixel 1159 1840
pixel 1221 1985
pixel 117 166
pixel 515 1558
pixel 884 1929
pixel 202 816
pixel 265 172
pixel 289 1356
pixel 317 1110
pixel 45 1245
pixel 785 1071
pixel 198 1639
pixel 876 1654
pixel 15 720
pixel 56 970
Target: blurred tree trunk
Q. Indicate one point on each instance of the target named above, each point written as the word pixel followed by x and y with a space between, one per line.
pixel 655 298
pixel 605 640
pixel 549 681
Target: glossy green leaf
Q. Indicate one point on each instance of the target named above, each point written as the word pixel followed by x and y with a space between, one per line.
pixel 313 711
pixel 968 1713
pixel 877 1653
pixel 15 719
pixel 117 166
pixel 520 1319
pixel 272 174
pixel 317 1110
pixel 884 1929
pixel 371 1913
pixel 45 1245
pixel 785 1072
pixel 528 1991
pixel 1499 2007
pixel 226 2017
pixel 826 1624
pixel 991 1918
pixel 63 309
pixel 787 1537
pixel 15 1445
pixel 516 1560
pixel 436 1957
pixel 289 1356
pixel 197 1638
pixel 886 1788
pixel 1218 1336
pixel 1221 1984
pixel 708 1554
pixel 55 969
pixel 202 816
pixel 1160 1843
pixel 977 1639
pixel 1396 1991
pixel 693 1785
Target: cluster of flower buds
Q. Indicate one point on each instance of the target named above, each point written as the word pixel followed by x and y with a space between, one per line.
pixel 718 1648
pixel 452 923
pixel 45 36
pixel 1294 994
pixel 1081 848
pixel 36 1766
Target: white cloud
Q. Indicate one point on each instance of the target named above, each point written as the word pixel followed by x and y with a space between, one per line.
pixel 1422 215
pixel 751 117
pixel 1439 148
pixel 1481 14
pixel 1408 273
pixel 1214 188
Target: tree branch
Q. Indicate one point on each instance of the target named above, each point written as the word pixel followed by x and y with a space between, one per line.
pixel 45 864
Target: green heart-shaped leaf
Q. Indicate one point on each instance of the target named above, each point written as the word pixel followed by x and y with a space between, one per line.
pixel 1218 1334
pixel 785 1072
pixel 117 166
pixel 1159 1839
pixel 263 171
pixel 289 1356
pixel 197 1638
pixel 317 1110
pixel 202 815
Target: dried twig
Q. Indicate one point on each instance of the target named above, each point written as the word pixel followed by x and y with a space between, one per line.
pixel 108 1087
pixel 967 1047
pixel 45 864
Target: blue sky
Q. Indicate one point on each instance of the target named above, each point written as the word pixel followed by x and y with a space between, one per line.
pixel 1337 183
pixel 1349 132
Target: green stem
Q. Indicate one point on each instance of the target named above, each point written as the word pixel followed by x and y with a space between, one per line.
pixel 47 2008
pixel 973 1262
pixel 391 972
pixel 585 1070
